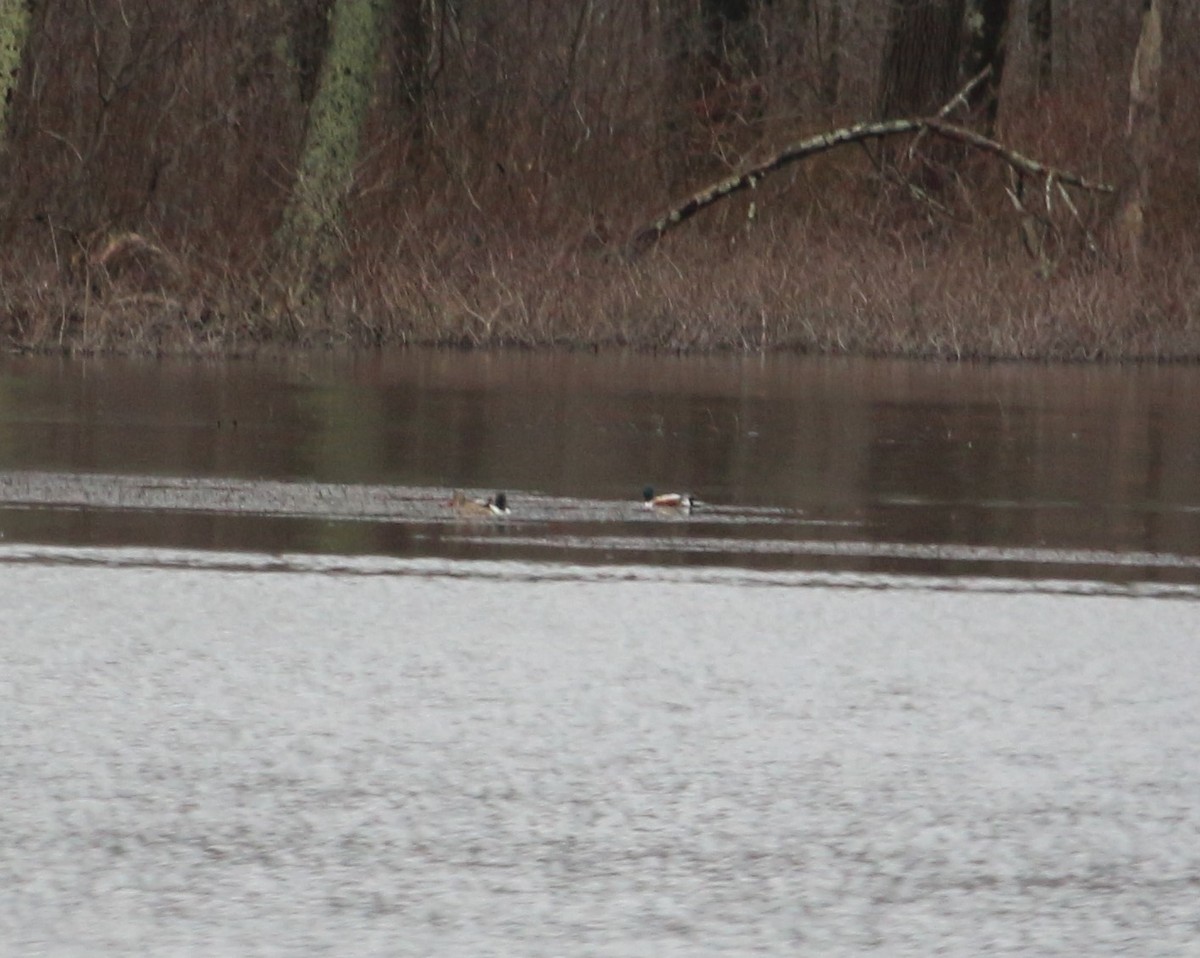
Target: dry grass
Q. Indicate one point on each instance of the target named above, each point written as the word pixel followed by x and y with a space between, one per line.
pixel 808 289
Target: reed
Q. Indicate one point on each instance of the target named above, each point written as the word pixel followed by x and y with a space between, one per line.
pixel 803 289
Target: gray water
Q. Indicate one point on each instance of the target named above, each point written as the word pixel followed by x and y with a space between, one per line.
pixel 917 678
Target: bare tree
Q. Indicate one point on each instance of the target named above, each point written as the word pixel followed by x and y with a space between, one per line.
pixel 1142 131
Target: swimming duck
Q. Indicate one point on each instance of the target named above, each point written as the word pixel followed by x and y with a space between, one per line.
pixel 667 500
pixel 496 505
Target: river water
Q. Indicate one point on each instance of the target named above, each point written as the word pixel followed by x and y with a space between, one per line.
pixel 917 676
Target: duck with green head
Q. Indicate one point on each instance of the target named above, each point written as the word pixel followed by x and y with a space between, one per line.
pixel 496 505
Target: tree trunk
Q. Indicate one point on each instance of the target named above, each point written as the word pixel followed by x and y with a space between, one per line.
pixel 14 30
pixel 1143 130
pixel 309 237
pixel 1040 17
pixel 922 54
pixel 987 30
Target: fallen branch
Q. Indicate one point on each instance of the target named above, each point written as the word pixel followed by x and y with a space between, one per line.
pixel 749 178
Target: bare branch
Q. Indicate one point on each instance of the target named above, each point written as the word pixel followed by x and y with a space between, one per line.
pixel 652 232
pixel 961 96
pixel 1019 162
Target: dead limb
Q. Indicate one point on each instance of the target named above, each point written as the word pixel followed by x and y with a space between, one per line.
pixel 959 99
pixel 652 232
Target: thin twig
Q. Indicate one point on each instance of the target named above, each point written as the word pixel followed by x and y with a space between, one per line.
pixel 1092 245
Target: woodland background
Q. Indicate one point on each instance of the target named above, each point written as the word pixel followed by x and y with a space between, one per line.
pixel 224 175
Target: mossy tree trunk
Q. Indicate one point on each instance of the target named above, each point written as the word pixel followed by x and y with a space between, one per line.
pixel 14 30
pixel 309 239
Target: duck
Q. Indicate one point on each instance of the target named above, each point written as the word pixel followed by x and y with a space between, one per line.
pixel 496 505
pixel 667 500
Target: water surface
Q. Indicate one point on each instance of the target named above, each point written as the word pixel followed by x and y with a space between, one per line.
pixel 874 466
pixel 223 753
pixel 916 678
